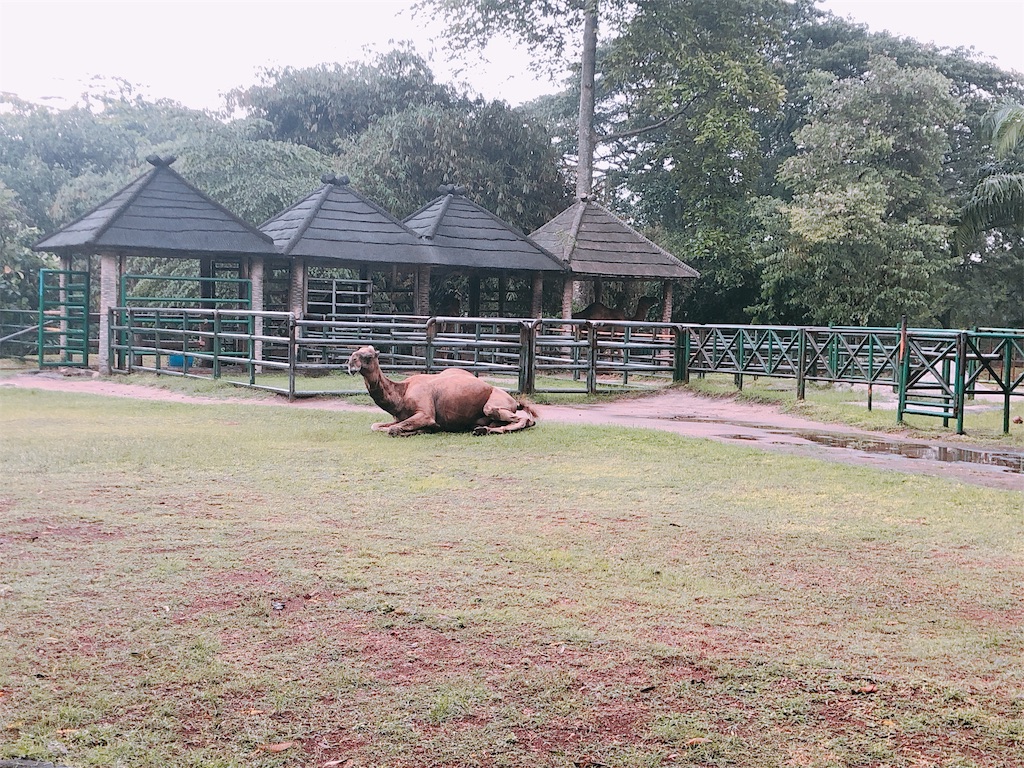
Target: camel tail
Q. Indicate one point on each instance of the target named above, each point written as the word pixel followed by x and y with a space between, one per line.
pixel 525 405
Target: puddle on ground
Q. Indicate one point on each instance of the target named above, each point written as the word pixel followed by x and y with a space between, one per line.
pixel 1008 460
pixel 1013 462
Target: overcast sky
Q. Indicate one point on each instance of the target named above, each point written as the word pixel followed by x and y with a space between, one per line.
pixel 194 52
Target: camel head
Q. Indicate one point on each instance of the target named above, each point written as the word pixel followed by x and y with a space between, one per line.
pixel 364 358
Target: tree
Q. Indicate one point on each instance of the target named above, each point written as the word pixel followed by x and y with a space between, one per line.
pixel 998 199
pixel 683 88
pixel 252 176
pixel 864 239
pixel 323 106
pixel 989 284
pixel 505 158
pixel 19 265
pixel 678 86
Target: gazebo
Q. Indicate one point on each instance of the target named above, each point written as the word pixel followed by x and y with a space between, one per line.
pixel 596 244
pixel 337 227
pixel 159 214
pixel 462 236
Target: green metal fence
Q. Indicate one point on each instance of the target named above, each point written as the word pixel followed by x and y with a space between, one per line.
pixel 138 290
pixel 934 372
pixel 19 333
pixel 63 327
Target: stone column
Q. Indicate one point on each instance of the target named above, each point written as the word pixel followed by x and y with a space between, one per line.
pixel 65 265
pixel 108 298
pixel 256 278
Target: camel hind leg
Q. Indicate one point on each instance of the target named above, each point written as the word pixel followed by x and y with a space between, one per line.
pixel 503 414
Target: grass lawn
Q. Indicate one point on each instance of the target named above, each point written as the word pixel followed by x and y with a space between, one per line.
pixel 236 585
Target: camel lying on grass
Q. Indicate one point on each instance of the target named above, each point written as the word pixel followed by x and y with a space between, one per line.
pixel 451 401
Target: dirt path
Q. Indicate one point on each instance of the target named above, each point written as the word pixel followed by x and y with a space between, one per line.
pixel 722 419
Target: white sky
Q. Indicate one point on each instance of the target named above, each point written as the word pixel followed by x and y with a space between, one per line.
pixel 194 52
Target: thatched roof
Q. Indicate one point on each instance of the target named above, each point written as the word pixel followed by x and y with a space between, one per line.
pixel 596 243
pixel 337 224
pixel 160 214
pixel 461 233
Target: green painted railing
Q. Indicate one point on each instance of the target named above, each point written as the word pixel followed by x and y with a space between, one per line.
pixel 934 371
pixel 63 327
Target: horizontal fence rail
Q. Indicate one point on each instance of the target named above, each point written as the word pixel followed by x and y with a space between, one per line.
pixel 933 371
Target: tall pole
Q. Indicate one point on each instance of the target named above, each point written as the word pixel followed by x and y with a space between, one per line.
pixel 585 162
pixel 585 168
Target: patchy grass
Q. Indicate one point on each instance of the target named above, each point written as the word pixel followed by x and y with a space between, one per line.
pixel 232 585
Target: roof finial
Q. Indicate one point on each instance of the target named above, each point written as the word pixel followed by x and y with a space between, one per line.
pixel 452 189
pixel 160 162
pixel 338 181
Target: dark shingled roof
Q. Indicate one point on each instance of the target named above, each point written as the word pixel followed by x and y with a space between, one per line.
pixel 336 223
pixel 461 233
pixel 159 213
pixel 597 243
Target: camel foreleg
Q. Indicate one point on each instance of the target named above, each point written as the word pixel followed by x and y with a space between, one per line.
pixel 382 426
pixel 416 424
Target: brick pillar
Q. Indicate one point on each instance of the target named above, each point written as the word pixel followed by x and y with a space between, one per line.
pixel 567 290
pixel 297 288
pixel 421 299
pixel 666 301
pixel 537 296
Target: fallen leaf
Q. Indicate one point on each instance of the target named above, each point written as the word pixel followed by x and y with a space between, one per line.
pixel 697 741
pixel 277 747
pixel 337 763
pixel 256 712
pixel 868 688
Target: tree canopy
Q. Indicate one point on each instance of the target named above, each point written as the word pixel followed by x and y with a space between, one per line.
pixel 811 170
pixel 864 238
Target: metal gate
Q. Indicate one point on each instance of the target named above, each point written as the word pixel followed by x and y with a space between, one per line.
pixel 63 318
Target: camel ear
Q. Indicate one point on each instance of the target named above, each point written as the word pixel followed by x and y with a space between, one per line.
pixel 371 350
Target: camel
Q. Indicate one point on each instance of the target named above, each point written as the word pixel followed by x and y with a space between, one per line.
pixel 451 401
pixel 599 311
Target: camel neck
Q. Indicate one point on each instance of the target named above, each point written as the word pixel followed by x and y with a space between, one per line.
pixel 383 390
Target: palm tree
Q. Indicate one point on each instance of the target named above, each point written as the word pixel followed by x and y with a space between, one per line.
pixel 998 200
